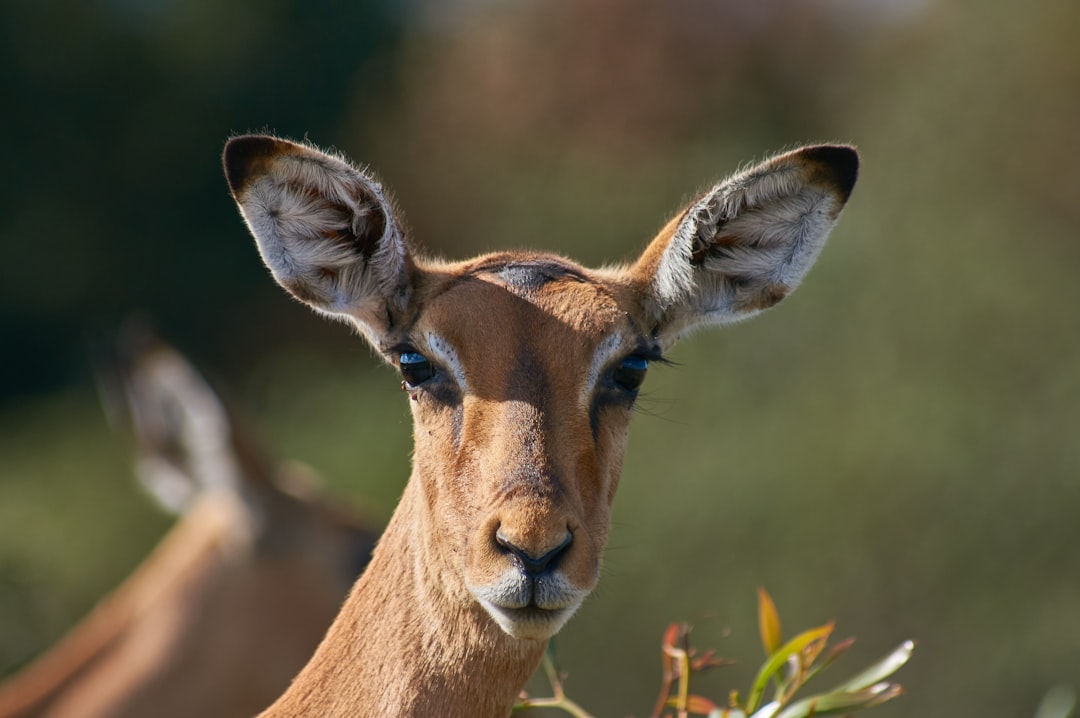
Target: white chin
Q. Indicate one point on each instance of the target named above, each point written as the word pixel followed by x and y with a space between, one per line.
pixel 531 623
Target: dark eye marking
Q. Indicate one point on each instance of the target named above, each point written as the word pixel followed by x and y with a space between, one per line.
pixel 415 368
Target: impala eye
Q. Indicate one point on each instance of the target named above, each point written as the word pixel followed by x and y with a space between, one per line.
pixel 631 372
pixel 415 368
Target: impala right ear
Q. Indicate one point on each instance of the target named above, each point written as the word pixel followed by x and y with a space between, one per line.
pixel 746 243
pixel 324 228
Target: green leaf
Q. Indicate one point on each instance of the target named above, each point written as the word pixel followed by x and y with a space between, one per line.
pixel 879 671
pixel 768 623
pixel 828 658
pixel 836 651
pixel 780 657
pixel 841 702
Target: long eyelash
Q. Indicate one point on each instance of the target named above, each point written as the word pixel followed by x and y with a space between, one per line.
pixel 658 408
pixel 654 355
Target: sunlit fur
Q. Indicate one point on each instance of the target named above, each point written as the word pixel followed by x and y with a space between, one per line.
pixel 230 604
pixel 520 434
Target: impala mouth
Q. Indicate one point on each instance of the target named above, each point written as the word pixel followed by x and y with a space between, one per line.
pixel 530 607
pixel 531 621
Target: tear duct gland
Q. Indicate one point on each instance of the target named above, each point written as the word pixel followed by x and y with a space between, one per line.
pixel 523 369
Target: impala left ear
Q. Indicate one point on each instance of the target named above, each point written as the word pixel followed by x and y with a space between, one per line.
pixel 746 243
pixel 326 230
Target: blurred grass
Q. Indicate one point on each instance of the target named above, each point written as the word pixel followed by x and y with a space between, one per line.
pixel 895 447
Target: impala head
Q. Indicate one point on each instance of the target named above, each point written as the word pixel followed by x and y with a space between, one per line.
pixel 523 368
pixel 191 445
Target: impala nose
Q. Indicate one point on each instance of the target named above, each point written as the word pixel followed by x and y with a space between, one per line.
pixel 530 564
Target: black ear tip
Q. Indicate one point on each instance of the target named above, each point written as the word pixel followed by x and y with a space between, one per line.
pixel 244 154
pixel 840 163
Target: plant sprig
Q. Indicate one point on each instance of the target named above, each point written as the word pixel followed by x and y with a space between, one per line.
pixel 558 699
pixel 788 667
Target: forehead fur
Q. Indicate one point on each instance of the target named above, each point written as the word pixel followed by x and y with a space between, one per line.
pixel 536 294
pixel 528 272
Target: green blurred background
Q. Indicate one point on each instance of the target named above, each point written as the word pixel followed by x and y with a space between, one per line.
pixel 896 447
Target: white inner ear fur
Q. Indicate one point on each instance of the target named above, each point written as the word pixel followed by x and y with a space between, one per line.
pixel 777 224
pixel 298 211
pixel 173 403
pixel 779 241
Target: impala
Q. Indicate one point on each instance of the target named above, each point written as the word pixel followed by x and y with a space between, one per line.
pixel 522 369
pixel 231 603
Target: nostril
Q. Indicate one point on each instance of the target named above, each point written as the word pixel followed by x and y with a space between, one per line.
pixel 534 564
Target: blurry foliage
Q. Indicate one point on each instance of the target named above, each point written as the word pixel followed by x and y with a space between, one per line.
pixel 596 110
pixel 894 446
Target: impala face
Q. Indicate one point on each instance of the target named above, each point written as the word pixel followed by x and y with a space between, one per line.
pixel 522 368
pixel 523 372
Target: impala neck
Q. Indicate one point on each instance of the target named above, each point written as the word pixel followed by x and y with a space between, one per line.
pixel 403 645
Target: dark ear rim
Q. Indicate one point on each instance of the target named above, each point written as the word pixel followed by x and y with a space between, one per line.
pixel 244 154
pixel 839 166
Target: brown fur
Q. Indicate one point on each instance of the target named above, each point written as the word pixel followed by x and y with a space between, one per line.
pixel 204 627
pixel 521 430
